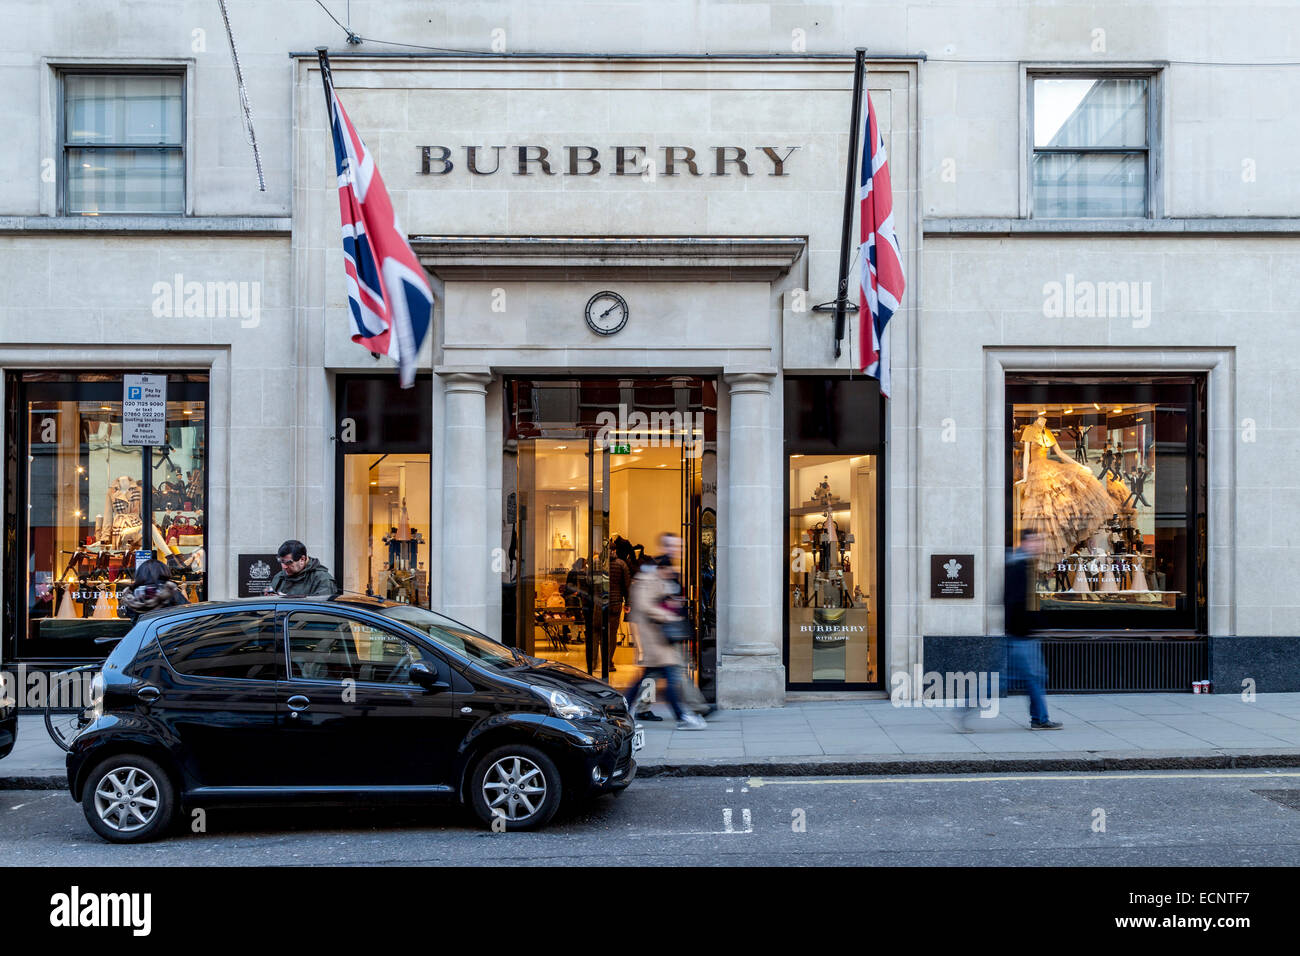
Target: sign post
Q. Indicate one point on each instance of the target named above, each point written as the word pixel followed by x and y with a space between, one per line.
pixel 144 422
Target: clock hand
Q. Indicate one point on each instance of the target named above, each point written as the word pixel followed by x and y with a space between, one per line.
pixel 609 310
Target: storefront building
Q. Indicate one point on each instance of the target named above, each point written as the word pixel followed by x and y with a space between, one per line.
pixel 626 249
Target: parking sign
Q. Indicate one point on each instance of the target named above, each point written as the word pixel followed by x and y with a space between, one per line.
pixel 144 410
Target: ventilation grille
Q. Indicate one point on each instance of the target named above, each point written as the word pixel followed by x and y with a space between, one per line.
pixel 1075 665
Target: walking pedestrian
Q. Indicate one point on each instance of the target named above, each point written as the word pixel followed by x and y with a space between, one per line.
pixel 1024 653
pixel 299 575
pixel 656 617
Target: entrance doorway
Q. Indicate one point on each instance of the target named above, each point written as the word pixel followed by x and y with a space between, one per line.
pixel 595 471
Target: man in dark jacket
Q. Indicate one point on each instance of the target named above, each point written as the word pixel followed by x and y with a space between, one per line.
pixel 1024 655
pixel 300 575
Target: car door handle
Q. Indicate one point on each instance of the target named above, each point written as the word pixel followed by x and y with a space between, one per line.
pixel 297 704
pixel 148 694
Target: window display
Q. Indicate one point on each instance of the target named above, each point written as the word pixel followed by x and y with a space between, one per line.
pixel 383 487
pixel 832 569
pixel 1104 474
pixel 90 514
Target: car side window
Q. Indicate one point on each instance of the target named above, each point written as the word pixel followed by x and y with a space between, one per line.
pixel 234 645
pixel 334 648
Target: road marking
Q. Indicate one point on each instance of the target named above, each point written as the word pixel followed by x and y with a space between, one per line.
pixel 745 821
pixel 1012 778
pixel 18 806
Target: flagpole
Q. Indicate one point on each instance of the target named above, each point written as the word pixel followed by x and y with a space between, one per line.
pixel 850 194
pixel 327 78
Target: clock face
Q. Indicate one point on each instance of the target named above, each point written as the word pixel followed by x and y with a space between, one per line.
pixel 606 313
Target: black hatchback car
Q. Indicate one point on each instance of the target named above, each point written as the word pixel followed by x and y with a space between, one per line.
pixel 330 700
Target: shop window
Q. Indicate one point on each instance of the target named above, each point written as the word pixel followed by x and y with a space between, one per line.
pixel 384 488
pixel 832 594
pixel 834 613
pixel 123 143
pixel 1106 474
pixel 87 508
pixel 1091 145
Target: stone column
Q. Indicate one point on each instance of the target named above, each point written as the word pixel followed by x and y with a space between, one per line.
pixel 750 670
pixel 466 557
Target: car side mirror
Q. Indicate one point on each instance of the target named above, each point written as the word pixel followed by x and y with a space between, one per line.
pixel 423 675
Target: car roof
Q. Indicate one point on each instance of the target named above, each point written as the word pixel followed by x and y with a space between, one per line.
pixel 346 599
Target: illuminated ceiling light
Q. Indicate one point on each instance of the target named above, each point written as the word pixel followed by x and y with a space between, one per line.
pixel 187 412
pixel 1068 411
pixel 561 447
pixel 1096 406
pixel 374 482
pixel 1118 410
pixel 105 408
pixel 661 466
pixel 796 456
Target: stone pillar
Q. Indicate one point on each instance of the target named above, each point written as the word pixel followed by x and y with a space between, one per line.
pixel 750 670
pixel 466 556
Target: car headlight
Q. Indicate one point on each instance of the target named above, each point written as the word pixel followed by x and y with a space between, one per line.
pixel 562 705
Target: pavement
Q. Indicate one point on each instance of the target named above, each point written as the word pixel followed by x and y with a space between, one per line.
pixel 811 738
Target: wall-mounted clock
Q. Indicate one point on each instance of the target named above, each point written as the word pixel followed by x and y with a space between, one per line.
pixel 606 313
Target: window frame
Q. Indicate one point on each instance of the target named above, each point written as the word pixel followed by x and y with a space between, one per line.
pixel 869 440
pixel 61 138
pixel 1153 73
pixel 160 633
pixel 184 383
pixel 1191 618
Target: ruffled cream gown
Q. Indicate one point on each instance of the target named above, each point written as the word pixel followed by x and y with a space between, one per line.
pixel 1059 498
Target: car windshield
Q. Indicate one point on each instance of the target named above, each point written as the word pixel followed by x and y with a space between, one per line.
pixel 455 636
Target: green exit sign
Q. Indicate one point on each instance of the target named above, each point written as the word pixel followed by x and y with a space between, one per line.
pixel 620 449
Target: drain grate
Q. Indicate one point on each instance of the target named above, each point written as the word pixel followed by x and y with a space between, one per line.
pixel 1288 798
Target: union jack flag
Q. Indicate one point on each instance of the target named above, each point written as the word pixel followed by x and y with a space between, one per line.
pixel 388 294
pixel 881 275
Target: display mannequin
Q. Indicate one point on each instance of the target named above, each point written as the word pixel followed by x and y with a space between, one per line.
pixel 1080 583
pixel 1058 497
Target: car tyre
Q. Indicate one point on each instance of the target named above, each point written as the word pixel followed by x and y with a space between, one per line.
pixel 129 798
pixel 516 784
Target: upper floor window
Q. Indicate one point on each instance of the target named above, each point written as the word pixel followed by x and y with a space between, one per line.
pixel 122 140
pixel 1091 146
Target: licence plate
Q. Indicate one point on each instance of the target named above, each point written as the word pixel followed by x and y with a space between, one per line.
pixel 638 740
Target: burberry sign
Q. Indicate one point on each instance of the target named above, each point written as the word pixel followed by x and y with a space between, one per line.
pixel 613 161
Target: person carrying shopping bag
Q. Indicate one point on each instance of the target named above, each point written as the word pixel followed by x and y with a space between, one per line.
pixel 655 601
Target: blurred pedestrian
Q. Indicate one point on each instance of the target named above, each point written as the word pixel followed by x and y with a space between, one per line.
pixel 1024 652
pixel 654 600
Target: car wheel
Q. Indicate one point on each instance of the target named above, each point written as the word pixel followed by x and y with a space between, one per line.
pixel 517 785
pixel 128 798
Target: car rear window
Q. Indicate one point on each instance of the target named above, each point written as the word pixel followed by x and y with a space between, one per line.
pixel 235 644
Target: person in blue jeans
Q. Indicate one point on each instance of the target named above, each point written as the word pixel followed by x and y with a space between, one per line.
pixel 1024 653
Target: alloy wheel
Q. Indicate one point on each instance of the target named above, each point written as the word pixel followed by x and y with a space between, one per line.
pixel 126 799
pixel 514 788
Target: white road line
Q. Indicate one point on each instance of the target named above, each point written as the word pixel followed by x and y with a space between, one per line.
pixel 1009 778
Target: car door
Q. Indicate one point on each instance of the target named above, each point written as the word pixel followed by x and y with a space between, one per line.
pixel 353 716
pixel 217 695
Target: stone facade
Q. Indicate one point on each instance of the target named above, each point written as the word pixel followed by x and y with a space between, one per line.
pixel 948 81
